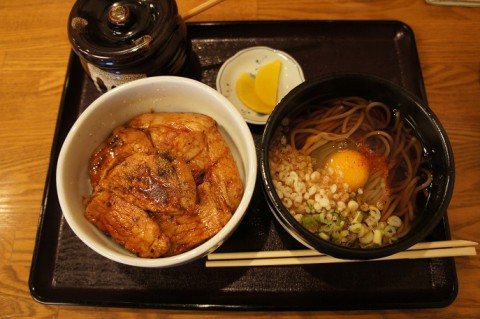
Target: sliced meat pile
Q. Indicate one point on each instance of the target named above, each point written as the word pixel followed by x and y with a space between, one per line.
pixel 163 183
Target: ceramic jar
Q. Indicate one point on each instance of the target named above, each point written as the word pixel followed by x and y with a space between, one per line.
pixel 121 41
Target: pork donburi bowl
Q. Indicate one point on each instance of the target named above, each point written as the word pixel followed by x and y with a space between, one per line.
pixel 156 173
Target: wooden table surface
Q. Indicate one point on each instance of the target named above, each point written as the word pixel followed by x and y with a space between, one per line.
pixel 34 51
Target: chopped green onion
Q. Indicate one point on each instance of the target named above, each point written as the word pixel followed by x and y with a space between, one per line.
pixel 394 221
pixel 377 236
pixel 352 205
pixel 324 236
pixel 317 218
pixel 335 234
pixel 310 223
pixel 310 204
pixel 358 217
pixel 367 239
pixel 363 230
pixel 355 228
pixel 371 222
pixel 375 213
pixel 322 218
pixel 381 225
pixel 389 231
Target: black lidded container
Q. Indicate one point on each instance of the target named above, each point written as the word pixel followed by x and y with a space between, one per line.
pixel 120 41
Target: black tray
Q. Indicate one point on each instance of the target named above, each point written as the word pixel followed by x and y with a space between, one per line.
pixel 65 271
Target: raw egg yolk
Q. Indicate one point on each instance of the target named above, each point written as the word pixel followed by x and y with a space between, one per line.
pixel 350 167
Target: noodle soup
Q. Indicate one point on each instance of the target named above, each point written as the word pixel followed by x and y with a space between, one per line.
pixel 350 171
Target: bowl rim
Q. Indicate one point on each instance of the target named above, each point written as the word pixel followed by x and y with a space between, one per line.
pixel 313 241
pixel 198 251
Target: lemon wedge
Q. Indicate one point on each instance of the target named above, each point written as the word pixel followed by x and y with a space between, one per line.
pixel 266 82
pixel 246 93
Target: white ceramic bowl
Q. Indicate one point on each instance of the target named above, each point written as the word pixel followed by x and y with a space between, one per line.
pixel 250 60
pixel 159 94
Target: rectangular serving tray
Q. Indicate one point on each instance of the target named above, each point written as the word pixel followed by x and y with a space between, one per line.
pixel 65 271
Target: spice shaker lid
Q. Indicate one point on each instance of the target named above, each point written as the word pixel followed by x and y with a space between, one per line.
pixel 113 35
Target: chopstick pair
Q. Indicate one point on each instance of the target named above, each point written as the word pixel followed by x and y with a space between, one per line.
pixel 438 249
pixel 200 8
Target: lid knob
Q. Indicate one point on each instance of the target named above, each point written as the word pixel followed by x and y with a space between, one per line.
pixel 118 14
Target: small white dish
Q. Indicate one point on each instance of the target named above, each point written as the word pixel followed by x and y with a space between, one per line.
pixel 250 60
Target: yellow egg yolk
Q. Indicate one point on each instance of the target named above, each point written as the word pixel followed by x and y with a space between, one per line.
pixel 350 167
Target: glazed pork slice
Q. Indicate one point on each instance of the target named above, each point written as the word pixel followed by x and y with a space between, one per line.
pixel 127 224
pixel 196 139
pixel 181 121
pixel 122 143
pixel 222 173
pixel 155 183
pixel 191 146
pixel 187 231
pixel 179 134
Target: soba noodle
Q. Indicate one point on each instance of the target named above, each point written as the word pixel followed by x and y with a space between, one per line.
pixel 386 203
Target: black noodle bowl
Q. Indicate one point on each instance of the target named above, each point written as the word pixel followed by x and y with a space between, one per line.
pixel 415 115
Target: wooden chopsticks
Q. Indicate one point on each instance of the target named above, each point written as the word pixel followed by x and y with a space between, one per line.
pixel 438 249
pixel 200 8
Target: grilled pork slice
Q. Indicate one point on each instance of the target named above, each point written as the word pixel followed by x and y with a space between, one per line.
pixel 181 135
pixel 187 231
pixel 195 139
pixel 179 121
pixel 121 144
pixel 154 183
pixel 127 224
pixel 222 173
